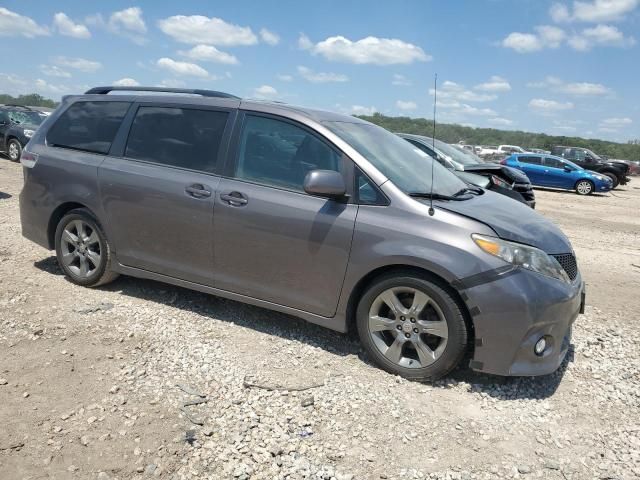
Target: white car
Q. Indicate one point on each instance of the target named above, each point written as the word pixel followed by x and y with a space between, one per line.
pixel 507 149
pixel 487 150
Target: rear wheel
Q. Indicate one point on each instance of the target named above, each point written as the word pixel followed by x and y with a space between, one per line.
pixel 14 150
pixel 584 187
pixel 412 327
pixel 614 179
pixel 82 249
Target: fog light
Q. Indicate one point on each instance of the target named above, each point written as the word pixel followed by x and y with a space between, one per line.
pixel 540 346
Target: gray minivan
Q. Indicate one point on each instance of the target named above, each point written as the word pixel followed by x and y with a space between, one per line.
pixel 319 215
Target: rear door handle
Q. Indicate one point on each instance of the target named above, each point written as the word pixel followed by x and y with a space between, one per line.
pixel 235 199
pixel 198 190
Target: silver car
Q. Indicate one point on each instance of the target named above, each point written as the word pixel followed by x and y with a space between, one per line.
pixel 316 214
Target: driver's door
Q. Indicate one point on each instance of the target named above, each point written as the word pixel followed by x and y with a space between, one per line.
pixel 5 123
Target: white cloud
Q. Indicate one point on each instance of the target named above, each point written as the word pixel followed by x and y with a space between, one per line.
pixel 82 64
pixel 172 83
pixel 547 36
pixel 600 35
pixel 556 84
pixel 126 82
pixel 503 122
pixel 454 91
pixel 564 128
pixel 65 26
pixel 196 29
pixel 127 23
pixel 495 84
pixel 617 122
pixel 269 37
pixel 594 11
pixel 15 25
pixel 400 80
pixel 54 71
pixel 321 77
pixel 265 91
pixel 360 110
pixel 285 78
pixel 549 106
pixel 209 53
pixel 406 105
pixel 369 50
pixel 182 68
pixel 464 109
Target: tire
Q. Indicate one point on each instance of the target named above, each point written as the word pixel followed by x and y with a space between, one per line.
pixel 584 187
pixel 14 150
pixel 82 249
pixel 614 179
pixel 405 340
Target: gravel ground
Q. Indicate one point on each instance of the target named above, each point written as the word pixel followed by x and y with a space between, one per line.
pixel 94 383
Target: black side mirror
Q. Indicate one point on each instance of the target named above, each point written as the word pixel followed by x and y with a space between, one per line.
pixel 567 168
pixel 325 183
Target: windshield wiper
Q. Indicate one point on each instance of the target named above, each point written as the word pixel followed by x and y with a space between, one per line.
pixel 436 196
pixel 474 190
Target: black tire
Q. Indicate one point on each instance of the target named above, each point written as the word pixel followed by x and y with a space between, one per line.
pixel 584 187
pixel 614 179
pixel 457 338
pixel 13 145
pixel 102 273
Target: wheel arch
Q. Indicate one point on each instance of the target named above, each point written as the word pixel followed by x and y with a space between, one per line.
pixel 369 278
pixel 57 214
pixel 585 179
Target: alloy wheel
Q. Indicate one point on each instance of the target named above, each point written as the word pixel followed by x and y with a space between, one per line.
pixel 584 188
pixel 81 249
pixel 14 152
pixel 408 327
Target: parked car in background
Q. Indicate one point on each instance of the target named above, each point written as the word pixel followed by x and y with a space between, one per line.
pixel 557 172
pixel 43 111
pixel 539 150
pixel 472 169
pixel 508 149
pixel 487 150
pixel 17 126
pixel 588 160
pixel 634 166
pixel 317 214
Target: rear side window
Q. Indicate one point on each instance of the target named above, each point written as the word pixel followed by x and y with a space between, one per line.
pixel 88 126
pixel 530 160
pixel 178 137
pixel 279 154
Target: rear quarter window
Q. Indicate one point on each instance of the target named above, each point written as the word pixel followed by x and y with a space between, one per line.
pixel 88 126
pixel 530 160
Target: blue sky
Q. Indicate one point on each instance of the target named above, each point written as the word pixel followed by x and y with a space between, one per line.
pixel 559 67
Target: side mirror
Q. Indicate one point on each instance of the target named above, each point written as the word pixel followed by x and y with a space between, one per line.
pixel 325 183
pixel 567 168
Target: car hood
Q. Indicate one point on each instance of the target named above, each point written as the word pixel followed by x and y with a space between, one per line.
pixel 28 126
pixel 512 220
pixel 509 173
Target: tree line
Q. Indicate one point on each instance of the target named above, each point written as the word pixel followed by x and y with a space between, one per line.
pixel 453 133
pixel 32 100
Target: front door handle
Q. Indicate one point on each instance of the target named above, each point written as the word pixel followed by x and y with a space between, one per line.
pixel 198 190
pixel 235 199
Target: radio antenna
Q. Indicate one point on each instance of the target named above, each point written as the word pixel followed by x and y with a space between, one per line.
pixel 433 141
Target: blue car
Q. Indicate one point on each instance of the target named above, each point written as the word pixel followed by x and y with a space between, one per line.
pixel 556 172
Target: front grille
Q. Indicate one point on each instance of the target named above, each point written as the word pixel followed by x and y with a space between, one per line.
pixel 568 262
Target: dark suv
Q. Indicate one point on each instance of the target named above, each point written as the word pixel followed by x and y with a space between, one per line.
pixel 320 215
pixel 585 158
pixel 17 126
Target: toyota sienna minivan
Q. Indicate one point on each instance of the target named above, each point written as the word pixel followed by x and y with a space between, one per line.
pixel 315 214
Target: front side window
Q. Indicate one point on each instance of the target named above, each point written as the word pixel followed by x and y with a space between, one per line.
pixel 553 163
pixel 88 126
pixel 367 192
pixel 277 153
pixel 178 137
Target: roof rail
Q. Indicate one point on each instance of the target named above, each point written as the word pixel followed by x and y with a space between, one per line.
pixel 204 93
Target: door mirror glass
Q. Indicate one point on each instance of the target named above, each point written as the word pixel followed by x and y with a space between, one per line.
pixel 325 183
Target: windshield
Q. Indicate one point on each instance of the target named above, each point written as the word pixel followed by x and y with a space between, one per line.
pixel 25 117
pixel 455 154
pixel 406 166
pixel 595 156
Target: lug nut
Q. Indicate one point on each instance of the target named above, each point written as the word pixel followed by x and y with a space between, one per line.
pixel 399 327
pixel 407 335
pixel 402 318
pixel 413 320
pixel 415 330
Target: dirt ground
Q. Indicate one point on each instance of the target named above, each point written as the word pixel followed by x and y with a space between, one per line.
pixel 88 379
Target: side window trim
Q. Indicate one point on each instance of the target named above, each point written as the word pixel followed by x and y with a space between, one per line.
pixel 233 153
pixel 119 145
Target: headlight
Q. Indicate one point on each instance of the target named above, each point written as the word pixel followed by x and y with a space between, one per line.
pixel 521 255
pixel 28 133
pixel 500 182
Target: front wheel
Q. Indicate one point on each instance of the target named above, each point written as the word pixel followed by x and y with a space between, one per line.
pixel 584 187
pixel 412 327
pixel 14 150
pixel 614 179
pixel 82 249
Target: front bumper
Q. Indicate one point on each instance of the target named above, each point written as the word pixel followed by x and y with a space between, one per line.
pixel 513 312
